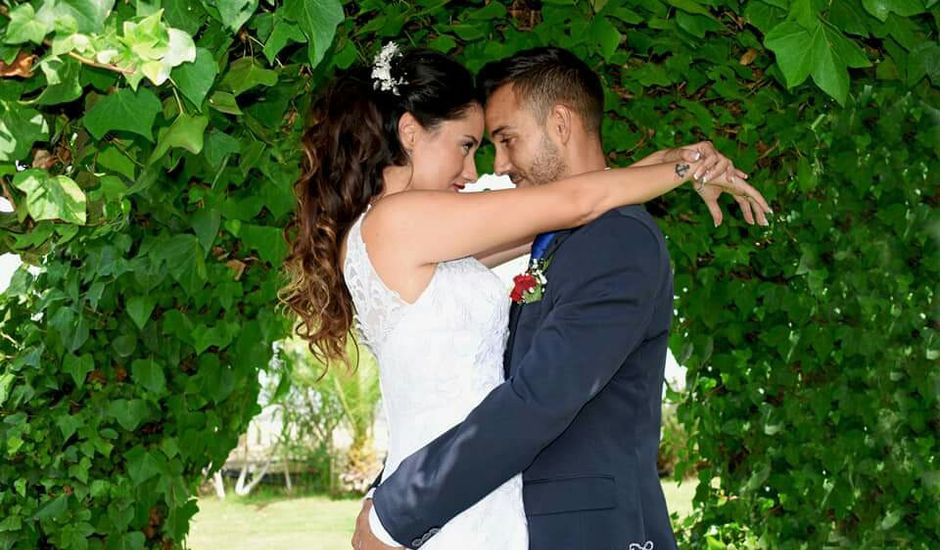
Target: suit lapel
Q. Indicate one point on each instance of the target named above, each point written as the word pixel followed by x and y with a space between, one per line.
pixel 515 310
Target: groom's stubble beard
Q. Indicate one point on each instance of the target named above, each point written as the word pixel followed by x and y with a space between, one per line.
pixel 548 165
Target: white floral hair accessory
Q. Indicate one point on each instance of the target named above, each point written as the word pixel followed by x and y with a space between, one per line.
pixel 382 69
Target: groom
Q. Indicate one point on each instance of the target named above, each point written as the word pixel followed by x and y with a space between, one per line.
pixel 580 411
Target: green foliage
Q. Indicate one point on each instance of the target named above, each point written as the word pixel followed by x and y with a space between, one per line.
pixel 160 144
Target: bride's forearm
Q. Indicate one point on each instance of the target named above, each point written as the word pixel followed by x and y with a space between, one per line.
pixel 651 159
pixel 598 192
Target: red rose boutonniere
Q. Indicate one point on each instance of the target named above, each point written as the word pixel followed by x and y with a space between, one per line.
pixel 530 286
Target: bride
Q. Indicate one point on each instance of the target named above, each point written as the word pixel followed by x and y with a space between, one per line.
pixel 382 236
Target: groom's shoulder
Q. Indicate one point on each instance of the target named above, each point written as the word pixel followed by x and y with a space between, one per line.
pixel 627 219
pixel 634 211
pixel 629 227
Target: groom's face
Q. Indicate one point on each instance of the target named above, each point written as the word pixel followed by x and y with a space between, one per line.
pixel 524 150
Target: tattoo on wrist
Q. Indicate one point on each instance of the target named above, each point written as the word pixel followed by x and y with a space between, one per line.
pixel 682 170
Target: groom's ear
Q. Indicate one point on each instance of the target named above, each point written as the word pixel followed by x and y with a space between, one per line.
pixel 560 120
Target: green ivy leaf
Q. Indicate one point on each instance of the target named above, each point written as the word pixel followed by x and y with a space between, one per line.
pixel 90 15
pixel 53 508
pixel 185 261
pixel 283 33
pixel 468 32
pixel 246 73
pixel 134 540
pixel 234 13
pixel 24 26
pixel 224 102
pixel 78 367
pixel 124 110
pixel 149 374
pixel 318 20
pixel 63 81
pixel 68 424
pixel 140 307
pixel 206 223
pixel 186 132
pixel 789 41
pixel 128 412
pixel 184 15
pixel 20 127
pixel 267 241
pixel 141 465
pixel 6 381
pixel 691 6
pixel 51 197
pixel 220 336
pixel 882 8
pixel 443 43
pixel 608 37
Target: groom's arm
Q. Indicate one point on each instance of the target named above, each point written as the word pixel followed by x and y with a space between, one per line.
pixel 601 313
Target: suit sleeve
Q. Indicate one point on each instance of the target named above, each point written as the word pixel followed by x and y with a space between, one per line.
pixel 602 306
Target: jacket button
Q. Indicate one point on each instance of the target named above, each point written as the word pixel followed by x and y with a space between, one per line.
pixel 417 543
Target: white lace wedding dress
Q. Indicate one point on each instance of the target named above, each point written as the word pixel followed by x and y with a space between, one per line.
pixel 438 358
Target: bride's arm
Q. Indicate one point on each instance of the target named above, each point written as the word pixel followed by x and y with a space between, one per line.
pixel 440 226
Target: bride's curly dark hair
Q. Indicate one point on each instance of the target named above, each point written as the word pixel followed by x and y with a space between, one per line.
pixel 352 138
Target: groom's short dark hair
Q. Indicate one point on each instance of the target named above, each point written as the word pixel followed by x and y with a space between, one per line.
pixel 546 76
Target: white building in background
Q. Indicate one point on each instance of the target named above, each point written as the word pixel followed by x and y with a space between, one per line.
pixel 8 262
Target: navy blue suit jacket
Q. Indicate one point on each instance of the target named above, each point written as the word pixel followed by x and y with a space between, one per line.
pixel 579 413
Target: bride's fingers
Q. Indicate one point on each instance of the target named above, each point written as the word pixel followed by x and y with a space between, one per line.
pixel 689 154
pixel 745 209
pixel 743 188
pixel 708 161
pixel 761 215
pixel 721 167
pixel 714 210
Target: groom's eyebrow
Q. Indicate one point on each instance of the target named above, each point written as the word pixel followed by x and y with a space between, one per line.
pixel 499 130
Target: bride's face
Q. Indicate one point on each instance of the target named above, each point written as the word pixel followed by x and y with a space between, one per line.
pixel 443 157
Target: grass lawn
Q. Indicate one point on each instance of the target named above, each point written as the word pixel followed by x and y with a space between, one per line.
pixel 310 523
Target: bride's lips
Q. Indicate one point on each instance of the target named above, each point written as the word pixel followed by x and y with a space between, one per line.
pixel 457 187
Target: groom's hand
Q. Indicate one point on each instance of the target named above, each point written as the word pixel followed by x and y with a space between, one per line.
pixel 363 539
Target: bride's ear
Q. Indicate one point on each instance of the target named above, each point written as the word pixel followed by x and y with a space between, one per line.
pixel 408 130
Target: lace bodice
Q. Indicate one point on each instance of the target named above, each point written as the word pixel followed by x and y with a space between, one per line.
pixel 438 357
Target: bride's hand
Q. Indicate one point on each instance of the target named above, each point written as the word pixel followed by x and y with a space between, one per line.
pixel 363 539
pixel 731 181
pixel 715 174
pixel 711 162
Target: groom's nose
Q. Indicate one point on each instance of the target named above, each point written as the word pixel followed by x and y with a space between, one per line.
pixel 501 164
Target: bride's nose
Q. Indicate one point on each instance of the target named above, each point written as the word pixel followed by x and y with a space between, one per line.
pixel 470 170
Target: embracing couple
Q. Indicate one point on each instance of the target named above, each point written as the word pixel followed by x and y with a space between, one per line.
pixel 523 419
